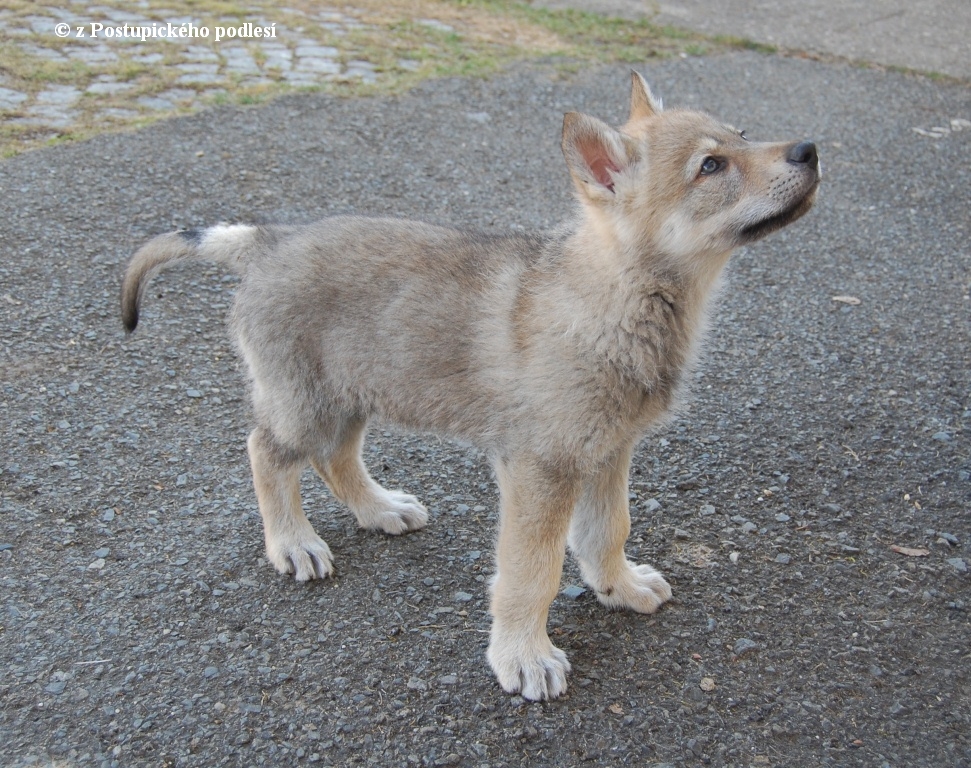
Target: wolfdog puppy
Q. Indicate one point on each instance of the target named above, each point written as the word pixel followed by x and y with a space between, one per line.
pixel 554 354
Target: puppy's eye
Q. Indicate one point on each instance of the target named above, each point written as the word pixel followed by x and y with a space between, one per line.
pixel 711 165
pixel 742 136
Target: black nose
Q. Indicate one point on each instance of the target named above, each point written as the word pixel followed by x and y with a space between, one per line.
pixel 803 153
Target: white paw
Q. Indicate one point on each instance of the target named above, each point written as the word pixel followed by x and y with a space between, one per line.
pixel 640 588
pixel 394 512
pixel 306 556
pixel 535 670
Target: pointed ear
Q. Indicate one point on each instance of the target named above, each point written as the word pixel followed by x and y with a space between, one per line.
pixel 595 154
pixel 642 102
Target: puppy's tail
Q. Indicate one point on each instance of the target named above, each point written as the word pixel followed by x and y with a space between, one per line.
pixel 231 245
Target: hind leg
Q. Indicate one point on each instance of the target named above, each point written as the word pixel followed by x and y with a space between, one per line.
pixel 292 546
pixel 375 508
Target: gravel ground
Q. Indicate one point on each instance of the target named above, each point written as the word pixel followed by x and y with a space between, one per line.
pixel 142 626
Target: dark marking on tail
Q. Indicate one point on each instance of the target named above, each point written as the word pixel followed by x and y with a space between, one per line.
pixel 184 245
pixel 193 236
pixel 129 318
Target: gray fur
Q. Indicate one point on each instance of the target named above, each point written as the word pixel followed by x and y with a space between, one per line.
pixel 553 353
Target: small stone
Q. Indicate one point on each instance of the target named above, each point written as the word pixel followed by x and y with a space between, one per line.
pixel 59 95
pixel 102 553
pixel 782 517
pixel 707 684
pixel 108 87
pixel 57 687
pixel 5 547
pixel 680 533
pixel 437 25
pixel 950 538
pixel 958 564
pixel 319 66
pixel 652 505
pixel 193 393
pixel 95 55
pixel 744 645
pixel 707 509
pixel 239 61
pixel 478 117
pixel 108 516
pixel 199 74
pixel 317 51
pixel 10 99
pixel 97 565
pixel 942 437
pixel 417 684
pixel 448 679
pixel 155 102
pixel 210 672
pixel 148 58
pixel 276 55
pixel 783 558
pixel 462 597
pixel 573 591
pixel 749 527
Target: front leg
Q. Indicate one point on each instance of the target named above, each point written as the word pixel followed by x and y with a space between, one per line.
pixel 598 532
pixel 535 505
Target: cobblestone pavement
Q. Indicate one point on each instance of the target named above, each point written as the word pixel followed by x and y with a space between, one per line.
pixel 68 66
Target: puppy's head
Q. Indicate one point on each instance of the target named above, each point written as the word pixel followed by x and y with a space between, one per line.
pixel 680 183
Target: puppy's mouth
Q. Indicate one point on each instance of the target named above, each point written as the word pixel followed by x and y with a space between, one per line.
pixel 759 229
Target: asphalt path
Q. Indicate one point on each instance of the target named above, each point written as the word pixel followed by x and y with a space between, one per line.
pixel 929 36
pixel 810 508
